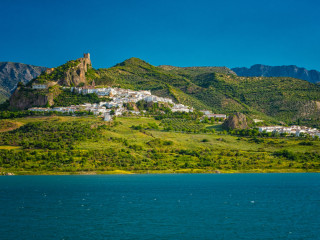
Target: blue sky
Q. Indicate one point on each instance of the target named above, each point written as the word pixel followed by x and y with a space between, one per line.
pixel 182 33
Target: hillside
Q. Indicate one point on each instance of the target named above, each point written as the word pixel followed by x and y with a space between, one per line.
pixel 218 89
pixel 72 73
pixel 214 88
pixel 12 73
pixel 87 145
pixel 260 70
pixel 158 140
pixel 285 99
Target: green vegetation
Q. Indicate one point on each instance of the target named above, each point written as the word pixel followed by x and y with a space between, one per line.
pixel 67 98
pixel 162 140
pixel 218 89
pixel 213 88
pixel 6 125
pixel 4 95
pixel 53 135
pixel 184 125
pixel 26 113
pixel 57 73
pixel 48 145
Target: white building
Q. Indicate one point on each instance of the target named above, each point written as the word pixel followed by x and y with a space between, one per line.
pixel 39 86
pixel 38 109
pixel 107 117
pixel 181 108
pixel 292 130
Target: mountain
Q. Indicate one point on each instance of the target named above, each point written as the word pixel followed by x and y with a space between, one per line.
pixel 12 73
pixel 43 89
pixel 260 70
pixel 218 89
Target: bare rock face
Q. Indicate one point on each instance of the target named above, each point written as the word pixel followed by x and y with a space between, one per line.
pixel 260 70
pixel 236 121
pixel 77 74
pixel 22 99
pixel 12 73
pixel 70 74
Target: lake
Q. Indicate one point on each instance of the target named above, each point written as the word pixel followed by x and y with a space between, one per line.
pixel 164 206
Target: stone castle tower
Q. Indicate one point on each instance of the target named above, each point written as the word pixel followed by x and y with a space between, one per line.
pixel 86 55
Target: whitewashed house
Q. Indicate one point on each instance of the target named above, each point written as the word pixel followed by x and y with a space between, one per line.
pixel 39 86
pixel 107 117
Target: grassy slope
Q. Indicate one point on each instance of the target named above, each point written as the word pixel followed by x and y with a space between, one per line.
pixel 180 84
pixel 213 88
pixel 283 98
pixel 216 88
pixel 121 148
pixel 138 75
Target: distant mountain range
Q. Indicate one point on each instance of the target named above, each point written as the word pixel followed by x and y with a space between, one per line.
pixel 259 70
pixel 11 73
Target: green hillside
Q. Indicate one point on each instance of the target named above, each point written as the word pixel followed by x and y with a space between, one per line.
pixel 212 88
pixel 43 143
pixel 70 145
pixel 218 89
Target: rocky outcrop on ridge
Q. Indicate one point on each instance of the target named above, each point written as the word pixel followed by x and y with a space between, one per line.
pixel 76 75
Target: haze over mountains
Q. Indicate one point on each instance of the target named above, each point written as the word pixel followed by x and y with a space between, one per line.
pixel 259 70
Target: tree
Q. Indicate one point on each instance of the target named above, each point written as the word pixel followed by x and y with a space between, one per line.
pixel 20 84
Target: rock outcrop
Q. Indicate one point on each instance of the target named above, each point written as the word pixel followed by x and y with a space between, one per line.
pixel 260 70
pixel 76 75
pixel 71 73
pixel 236 121
pixel 24 98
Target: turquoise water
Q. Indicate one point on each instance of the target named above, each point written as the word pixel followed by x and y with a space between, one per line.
pixel 186 206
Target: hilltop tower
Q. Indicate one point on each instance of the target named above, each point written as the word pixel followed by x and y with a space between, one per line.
pixel 86 55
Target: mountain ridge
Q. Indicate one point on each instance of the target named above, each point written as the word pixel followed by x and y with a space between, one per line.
pixel 205 88
pixel 260 70
pixel 11 73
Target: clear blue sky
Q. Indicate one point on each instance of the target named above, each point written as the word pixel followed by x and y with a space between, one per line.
pixel 182 33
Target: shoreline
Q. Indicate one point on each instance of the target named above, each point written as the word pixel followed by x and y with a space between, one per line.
pixel 182 171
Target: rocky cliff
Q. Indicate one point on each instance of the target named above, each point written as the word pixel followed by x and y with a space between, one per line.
pixel 24 98
pixel 71 73
pixel 278 71
pixel 11 73
pixel 77 74
pixel 236 121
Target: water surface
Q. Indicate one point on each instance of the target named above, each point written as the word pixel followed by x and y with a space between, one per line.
pixel 178 206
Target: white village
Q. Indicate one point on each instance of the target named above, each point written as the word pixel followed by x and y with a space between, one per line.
pixel 294 130
pixel 115 107
pixel 119 97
